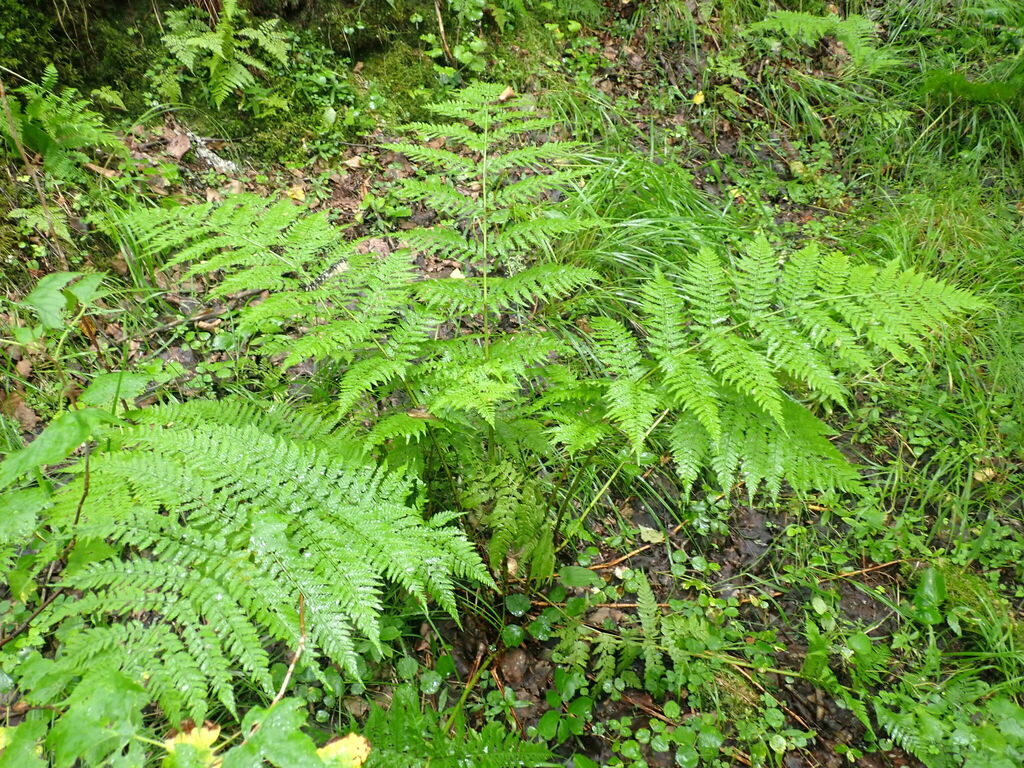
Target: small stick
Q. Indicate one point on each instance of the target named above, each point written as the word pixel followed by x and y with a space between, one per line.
pixel 297 655
pixel 869 569
pixel 444 37
pixel 512 711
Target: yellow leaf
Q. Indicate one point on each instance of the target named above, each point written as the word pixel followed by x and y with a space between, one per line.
pixel 985 475
pixel 347 752
pixel 651 535
pixel 201 739
pixel 698 98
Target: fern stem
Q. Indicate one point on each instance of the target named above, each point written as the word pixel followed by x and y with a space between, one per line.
pixel 604 488
pixel 483 237
pixel 296 656
pixel 470 684
pixel 567 499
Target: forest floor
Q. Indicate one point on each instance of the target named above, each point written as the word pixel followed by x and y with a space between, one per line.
pixel 823 629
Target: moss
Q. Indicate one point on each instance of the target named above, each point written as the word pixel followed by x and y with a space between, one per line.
pixel 360 29
pixel 399 82
pixel 120 58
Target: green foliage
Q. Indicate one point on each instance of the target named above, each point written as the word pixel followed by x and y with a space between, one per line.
pixel 374 325
pixel 58 126
pixel 857 34
pixel 730 349
pixel 407 736
pixel 960 724
pixel 206 531
pixel 229 53
pixel 691 656
pixel 726 351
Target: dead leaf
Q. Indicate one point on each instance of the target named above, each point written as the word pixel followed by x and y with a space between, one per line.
pixel 377 245
pixel 13 406
pixel 88 328
pixel 107 173
pixel 178 144
pixel 356 706
pixel 353 162
pixel 24 368
pixel 296 192
pixel 119 265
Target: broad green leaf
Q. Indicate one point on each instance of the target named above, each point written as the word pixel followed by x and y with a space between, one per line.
pixel 107 388
pixel 930 595
pixel 86 551
pixel 279 739
pixel 60 438
pixel 87 289
pixel 48 299
pixel 517 605
pixel 103 714
pixel 576 576
pixel 19 745
pixel 18 510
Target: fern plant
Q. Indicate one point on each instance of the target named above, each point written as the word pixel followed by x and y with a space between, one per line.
pixel 857 34
pixel 963 722
pixel 58 125
pixel 719 370
pixel 230 52
pixel 197 537
pixel 429 364
pixel 725 352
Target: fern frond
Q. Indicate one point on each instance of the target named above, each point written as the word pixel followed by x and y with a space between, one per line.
pixel 531 156
pixel 443 198
pixel 617 347
pixel 755 276
pixel 540 284
pixel 444 242
pixel 217 530
pixel 435 156
pixel 705 287
pixel 691 446
pixel 738 364
pixel 532 188
pixel 457 132
pixel 632 405
pixel 650 626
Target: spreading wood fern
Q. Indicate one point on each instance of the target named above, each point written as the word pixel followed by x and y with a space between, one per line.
pixel 229 52
pixel 727 354
pixel 204 533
